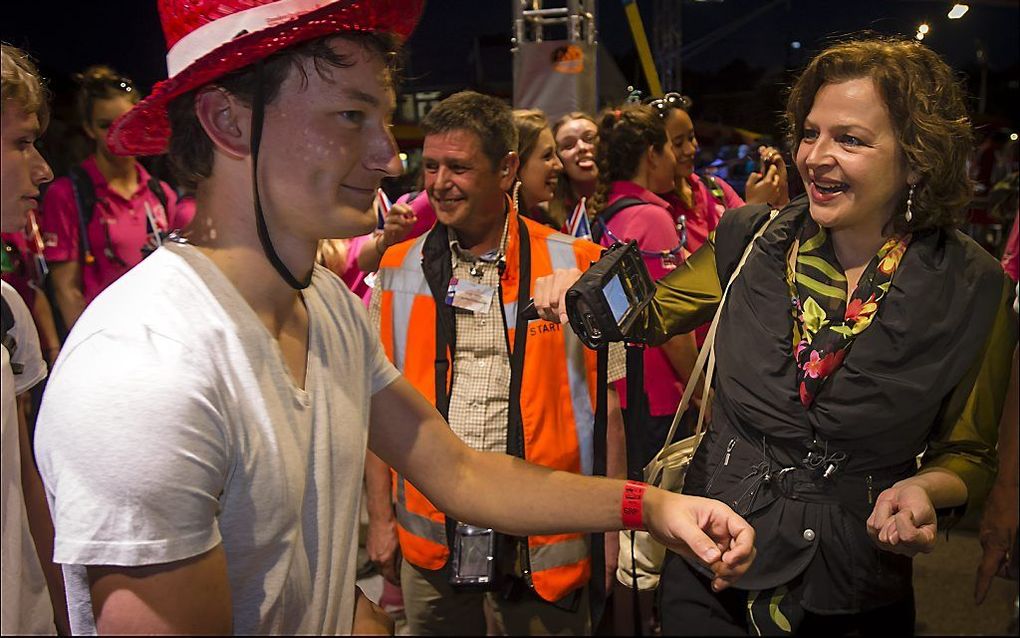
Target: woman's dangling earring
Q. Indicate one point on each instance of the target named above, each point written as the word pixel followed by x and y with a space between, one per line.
pixel 909 215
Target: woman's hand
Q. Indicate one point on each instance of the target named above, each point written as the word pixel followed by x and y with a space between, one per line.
pixel 772 187
pixel 904 521
pixel 398 224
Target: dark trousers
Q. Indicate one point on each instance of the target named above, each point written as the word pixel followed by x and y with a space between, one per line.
pixel 689 607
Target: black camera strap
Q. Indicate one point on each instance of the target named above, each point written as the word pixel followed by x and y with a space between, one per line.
pixel 597 593
pixel 515 422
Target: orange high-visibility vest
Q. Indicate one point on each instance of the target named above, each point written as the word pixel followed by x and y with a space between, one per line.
pixel 557 395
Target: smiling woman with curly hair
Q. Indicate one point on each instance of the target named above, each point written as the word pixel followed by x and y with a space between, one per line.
pixel 864 331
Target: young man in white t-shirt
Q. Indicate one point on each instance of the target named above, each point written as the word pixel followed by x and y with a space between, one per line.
pixel 203 435
pixel 26 538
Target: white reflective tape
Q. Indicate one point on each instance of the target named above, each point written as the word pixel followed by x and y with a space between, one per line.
pixel 405 283
pixel 212 35
pixel 562 255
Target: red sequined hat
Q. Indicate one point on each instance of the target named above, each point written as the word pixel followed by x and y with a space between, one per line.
pixel 207 39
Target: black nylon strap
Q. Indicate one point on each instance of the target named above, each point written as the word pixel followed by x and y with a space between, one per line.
pixel 515 425
pixel 85 198
pixel 597 593
pixel 257 115
pixel 637 410
pixel 607 213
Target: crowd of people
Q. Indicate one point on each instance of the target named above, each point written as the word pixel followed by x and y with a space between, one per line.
pixel 203 383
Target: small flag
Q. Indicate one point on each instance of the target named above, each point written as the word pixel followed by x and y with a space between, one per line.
pixel 382 207
pixel 578 225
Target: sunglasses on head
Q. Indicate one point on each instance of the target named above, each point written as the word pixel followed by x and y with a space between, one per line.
pixel 669 101
pixel 119 83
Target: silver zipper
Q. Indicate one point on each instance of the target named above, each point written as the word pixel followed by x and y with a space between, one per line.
pixel 718 468
pixel 729 448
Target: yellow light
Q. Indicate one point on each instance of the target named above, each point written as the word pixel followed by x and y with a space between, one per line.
pixel 1013 137
pixel 957 11
pixel 403 157
pixel 919 35
pixel 924 28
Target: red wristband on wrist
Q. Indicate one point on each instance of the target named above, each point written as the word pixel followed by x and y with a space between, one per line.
pixel 631 509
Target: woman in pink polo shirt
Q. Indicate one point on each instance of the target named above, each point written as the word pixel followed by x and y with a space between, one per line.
pixel 127 204
pixel 699 202
pixel 635 161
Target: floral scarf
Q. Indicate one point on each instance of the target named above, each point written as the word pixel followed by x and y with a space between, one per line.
pixel 826 322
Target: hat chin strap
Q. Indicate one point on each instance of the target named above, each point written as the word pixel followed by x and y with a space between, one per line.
pixel 258 111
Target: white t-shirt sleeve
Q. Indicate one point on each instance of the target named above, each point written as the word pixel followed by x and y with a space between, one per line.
pixel 27 352
pixel 132 449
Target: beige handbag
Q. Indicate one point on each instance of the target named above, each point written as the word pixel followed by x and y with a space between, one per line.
pixel 668 468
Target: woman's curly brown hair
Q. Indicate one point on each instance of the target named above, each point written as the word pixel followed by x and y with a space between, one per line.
pixel 625 134
pixel 925 100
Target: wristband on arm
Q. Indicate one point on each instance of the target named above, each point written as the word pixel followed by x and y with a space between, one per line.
pixel 631 508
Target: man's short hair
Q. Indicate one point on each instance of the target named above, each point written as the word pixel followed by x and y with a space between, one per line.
pixel 190 149
pixel 20 84
pixel 487 117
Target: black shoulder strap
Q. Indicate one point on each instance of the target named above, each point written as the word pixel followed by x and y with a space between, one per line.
pixel 437 269
pixel 6 319
pixel 607 213
pixel 515 421
pixel 84 193
pixel 7 324
pixel 717 191
pixel 156 187
pixel 85 198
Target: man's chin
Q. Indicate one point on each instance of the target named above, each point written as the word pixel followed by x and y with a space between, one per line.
pixel 14 219
pixel 354 223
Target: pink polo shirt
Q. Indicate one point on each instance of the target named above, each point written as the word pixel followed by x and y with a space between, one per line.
pixel 702 219
pixel 125 219
pixel 651 225
pixel 704 216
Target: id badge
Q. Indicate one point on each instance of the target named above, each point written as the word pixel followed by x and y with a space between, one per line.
pixel 467 295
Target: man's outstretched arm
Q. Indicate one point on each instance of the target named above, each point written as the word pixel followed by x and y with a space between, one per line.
pixel 516 497
pixel 191 596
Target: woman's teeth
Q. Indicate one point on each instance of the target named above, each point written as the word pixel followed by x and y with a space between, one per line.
pixel 832 189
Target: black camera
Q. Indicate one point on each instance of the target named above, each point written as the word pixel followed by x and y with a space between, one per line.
pixel 609 297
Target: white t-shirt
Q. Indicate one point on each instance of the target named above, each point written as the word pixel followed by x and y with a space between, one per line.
pixel 171 424
pixel 25 606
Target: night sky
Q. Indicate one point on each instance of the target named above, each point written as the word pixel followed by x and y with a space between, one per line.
pixel 66 37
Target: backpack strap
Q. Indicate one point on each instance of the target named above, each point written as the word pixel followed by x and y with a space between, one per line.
pixel 85 197
pixel 717 192
pixel 7 324
pixel 607 213
pixel 156 187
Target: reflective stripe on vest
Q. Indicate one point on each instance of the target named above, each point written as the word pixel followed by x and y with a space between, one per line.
pixel 562 255
pixel 418 525
pixel 405 282
pixel 560 554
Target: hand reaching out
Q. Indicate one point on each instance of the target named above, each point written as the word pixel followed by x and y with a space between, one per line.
pixel 702 529
pixel 903 521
